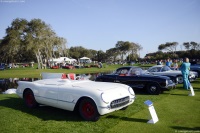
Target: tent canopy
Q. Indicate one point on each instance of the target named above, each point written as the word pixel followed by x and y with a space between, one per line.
pixel 85 58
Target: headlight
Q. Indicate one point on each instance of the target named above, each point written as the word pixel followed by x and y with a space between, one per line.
pixel 104 98
pixel 167 82
pixel 131 91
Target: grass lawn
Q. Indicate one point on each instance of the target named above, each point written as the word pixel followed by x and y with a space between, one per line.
pixel 177 112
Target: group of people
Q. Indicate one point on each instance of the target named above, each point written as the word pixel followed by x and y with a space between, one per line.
pixel 184 68
pixel 169 63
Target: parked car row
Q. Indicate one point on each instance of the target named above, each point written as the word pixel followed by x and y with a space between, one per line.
pixel 195 68
pixel 166 71
pixel 94 98
pixel 137 79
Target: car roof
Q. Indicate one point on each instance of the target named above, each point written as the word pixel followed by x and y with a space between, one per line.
pixel 128 67
pixel 157 66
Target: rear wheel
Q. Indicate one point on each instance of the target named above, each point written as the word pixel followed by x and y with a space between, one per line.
pixel 180 79
pixel 88 110
pixel 153 89
pixel 30 99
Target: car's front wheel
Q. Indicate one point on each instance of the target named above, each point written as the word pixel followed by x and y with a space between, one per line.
pixel 153 89
pixel 30 99
pixel 180 79
pixel 88 110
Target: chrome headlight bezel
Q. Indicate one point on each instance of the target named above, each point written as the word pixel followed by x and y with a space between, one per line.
pixel 104 98
pixel 130 90
pixel 167 82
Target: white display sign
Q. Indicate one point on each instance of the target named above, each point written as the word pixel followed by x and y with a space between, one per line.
pixel 152 112
pixel 192 91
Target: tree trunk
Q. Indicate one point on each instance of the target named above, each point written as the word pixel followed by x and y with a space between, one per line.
pixel 38 60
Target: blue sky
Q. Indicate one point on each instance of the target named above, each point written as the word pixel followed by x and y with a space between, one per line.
pixel 99 24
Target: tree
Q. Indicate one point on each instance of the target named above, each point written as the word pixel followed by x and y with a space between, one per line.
pixel 11 43
pixel 194 45
pixel 41 40
pixel 123 48
pixel 169 47
pixel 134 51
pixel 24 38
pixel 186 45
pixel 112 54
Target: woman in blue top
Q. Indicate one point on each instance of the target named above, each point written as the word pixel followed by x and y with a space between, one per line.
pixel 185 69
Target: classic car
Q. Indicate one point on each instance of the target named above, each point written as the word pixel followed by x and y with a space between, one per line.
pixel 55 67
pixel 91 99
pixel 68 67
pixel 135 78
pixel 2 66
pixel 166 71
pixel 196 68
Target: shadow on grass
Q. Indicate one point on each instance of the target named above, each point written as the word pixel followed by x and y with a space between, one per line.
pixel 128 119
pixel 186 129
pixel 180 94
pixel 43 112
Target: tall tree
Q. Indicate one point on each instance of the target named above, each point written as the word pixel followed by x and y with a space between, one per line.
pixel 169 47
pixel 11 43
pixel 187 45
pixel 123 48
pixel 112 54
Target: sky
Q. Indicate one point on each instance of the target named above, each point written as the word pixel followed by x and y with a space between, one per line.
pixel 100 24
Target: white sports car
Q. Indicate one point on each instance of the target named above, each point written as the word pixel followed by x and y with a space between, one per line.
pixel 90 98
pixel 166 71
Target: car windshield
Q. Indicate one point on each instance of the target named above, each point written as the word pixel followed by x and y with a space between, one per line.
pixel 128 71
pixel 136 71
pixel 165 68
pixel 159 69
pixel 121 71
pixel 154 69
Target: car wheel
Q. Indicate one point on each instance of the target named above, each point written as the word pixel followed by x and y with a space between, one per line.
pixel 88 110
pixel 153 89
pixel 30 99
pixel 180 79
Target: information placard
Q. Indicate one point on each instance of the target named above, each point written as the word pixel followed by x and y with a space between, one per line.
pixel 152 112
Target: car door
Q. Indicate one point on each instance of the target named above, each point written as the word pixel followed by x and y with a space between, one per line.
pixel 66 97
pixel 48 94
pixel 133 79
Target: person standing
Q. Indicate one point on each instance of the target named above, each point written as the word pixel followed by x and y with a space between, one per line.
pixel 168 63
pixel 185 69
pixel 175 65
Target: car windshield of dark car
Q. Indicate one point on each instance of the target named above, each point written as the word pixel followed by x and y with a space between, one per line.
pixel 135 71
pixel 121 71
pixel 155 69
pixel 165 68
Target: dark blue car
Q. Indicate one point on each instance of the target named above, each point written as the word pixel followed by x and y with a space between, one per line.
pixel 2 66
pixel 196 68
pixel 135 78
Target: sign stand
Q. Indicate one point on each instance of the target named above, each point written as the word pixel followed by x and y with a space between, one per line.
pixel 152 112
pixel 192 91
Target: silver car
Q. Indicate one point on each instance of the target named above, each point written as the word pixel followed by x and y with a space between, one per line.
pixel 166 71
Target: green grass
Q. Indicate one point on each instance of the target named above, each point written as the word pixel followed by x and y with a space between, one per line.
pixel 177 112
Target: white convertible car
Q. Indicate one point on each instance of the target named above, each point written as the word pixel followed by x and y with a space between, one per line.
pixel 90 98
pixel 166 71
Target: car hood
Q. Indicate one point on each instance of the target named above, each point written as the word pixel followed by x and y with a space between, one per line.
pixel 101 86
pixel 146 75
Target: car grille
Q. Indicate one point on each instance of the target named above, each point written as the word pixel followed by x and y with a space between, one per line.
pixel 119 102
